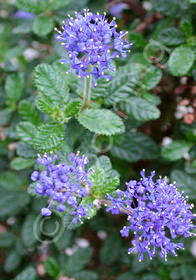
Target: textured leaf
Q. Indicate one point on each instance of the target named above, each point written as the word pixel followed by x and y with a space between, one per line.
pixel 73 107
pixel 123 83
pixel 26 132
pixel 28 273
pixel 25 151
pixel 98 178
pixel 51 84
pixel 35 6
pixel 175 150
pixel 109 252
pixel 51 267
pixel 28 112
pixel 135 146
pixel 44 105
pixel 150 78
pixel 185 182
pixel 78 260
pixel 49 136
pixel 137 39
pixel 93 209
pixel 19 163
pixel 172 36
pixel 171 8
pixel 42 25
pixel 140 109
pixel 12 261
pixel 14 86
pixel 101 121
pixel 181 60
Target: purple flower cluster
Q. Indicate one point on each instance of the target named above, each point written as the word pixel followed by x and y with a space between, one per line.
pixel 157 212
pixel 63 183
pixel 92 42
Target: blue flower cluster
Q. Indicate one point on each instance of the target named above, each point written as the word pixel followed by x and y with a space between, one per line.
pixel 63 183
pixel 92 42
pixel 157 212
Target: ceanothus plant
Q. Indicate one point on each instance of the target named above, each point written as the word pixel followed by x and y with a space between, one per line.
pixel 156 211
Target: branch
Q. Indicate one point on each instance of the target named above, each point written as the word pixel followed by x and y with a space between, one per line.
pixel 141 27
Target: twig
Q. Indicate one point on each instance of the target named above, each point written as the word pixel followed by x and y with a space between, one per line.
pixel 141 27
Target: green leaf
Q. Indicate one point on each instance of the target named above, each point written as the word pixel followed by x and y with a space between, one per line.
pixel 7 239
pixel 27 233
pixel 109 252
pixel 128 276
pixel 171 36
pixel 123 83
pixel 49 136
pixel 12 203
pixel 23 28
pixel 19 163
pixel 57 4
pixel 140 109
pixel 26 132
pixel 64 241
pixel 28 273
pixel 5 115
pixel 181 60
pixel 11 181
pixel 28 112
pixel 135 146
pixel 35 6
pixel 101 121
pixel 14 52
pixel 51 84
pixel 171 8
pixel 175 150
pixel 68 217
pixel 12 261
pixel 110 186
pixel 73 107
pixel 150 78
pixel 25 151
pixel 14 86
pixel 186 27
pixel 137 39
pixel 85 275
pixel 42 25
pixel 51 267
pixel 78 260
pixel 104 163
pixel 185 182
pixel 97 177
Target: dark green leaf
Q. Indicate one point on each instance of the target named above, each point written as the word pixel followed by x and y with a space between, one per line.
pixel 26 151
pixel 135 146
pixel 175 150
pixel 171 8
pixel 110 249
pixel 181 60
pixel 85 275
pixel 19 163
pixel 12 261
pixel 11 181
pixel 172 36
pixel 137 39
pixel 27 233
pixel 78 260
pixel 150 78
pixel 51 267
pixel 140 109
pixel 7 239
pixel 101 121
pixel 35 6
pixel 186 27
pixel 28 273
pixel 185 182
